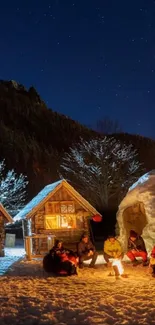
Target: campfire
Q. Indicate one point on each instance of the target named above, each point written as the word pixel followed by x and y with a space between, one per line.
pixel 118 267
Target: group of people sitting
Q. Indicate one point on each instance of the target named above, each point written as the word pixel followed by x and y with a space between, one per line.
pixel 62 261
pixel 136 248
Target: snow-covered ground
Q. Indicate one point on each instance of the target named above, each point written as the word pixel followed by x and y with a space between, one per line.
pixel 11 256
pixel 29 296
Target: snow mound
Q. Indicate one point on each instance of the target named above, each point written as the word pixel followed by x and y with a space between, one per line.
pixel 143 191
pixel 142 180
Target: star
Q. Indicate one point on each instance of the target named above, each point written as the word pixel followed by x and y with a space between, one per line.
pixel 114 65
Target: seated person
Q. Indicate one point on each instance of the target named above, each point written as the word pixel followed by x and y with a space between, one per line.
pixel 60 260
pixel 136 248
pixel 112 249
pixel 152 261
pixel 86 251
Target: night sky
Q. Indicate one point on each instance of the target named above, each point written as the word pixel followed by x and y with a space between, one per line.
pixel 87 58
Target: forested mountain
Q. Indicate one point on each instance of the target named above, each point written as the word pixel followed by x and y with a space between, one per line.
pixel 33 137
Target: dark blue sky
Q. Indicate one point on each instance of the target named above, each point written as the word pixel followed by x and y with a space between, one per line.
pixel 87 58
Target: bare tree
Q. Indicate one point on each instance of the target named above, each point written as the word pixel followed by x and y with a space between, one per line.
pixel 107 126
pixel 101 169
pixel 12 189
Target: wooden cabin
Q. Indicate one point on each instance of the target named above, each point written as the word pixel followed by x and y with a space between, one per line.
pixel 59 212
pixel 4 218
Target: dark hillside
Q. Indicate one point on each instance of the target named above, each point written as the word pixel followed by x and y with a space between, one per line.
pixel 33 137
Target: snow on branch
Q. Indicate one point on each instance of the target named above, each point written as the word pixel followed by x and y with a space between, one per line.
pixel 101 168
pixel 12 189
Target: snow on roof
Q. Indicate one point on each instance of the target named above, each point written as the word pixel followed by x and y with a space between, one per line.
pixel 36 200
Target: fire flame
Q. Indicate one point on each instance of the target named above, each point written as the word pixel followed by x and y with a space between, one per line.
pixel 119 265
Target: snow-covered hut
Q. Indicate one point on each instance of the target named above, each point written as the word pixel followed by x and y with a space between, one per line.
pixel 137 211
pixel 58 210
pixel 4 218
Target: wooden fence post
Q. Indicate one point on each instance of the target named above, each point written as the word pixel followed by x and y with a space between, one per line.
pixel 28 247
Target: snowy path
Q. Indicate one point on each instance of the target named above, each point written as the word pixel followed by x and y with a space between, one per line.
pixel 28 296
pixel 11 256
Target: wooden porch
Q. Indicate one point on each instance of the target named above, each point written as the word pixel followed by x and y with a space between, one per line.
pixel 34 245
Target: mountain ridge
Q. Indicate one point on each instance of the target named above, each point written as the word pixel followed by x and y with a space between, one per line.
pixel 33 138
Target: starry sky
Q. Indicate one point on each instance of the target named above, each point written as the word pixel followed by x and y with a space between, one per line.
pixel 87 58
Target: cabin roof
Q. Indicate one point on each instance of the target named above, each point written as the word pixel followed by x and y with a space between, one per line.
pixel 44 195
pixel 5 213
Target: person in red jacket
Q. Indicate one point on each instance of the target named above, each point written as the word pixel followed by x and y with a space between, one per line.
pixel 152 261
pixel 136 248
pixel 60 261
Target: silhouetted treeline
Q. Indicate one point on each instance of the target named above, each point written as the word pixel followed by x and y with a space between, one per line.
pixel 33 138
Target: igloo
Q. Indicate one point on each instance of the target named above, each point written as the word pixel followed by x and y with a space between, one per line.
pixel 137 211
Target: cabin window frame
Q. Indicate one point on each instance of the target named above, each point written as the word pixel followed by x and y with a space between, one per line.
pixel 68 212
pixel 55 207
pixel 50 217
pixel 67 204
pixel 58 221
